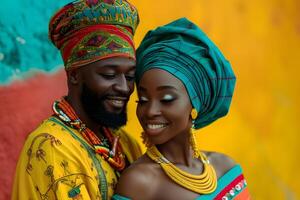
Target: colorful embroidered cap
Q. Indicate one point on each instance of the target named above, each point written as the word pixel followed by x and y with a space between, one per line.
pixel 86 31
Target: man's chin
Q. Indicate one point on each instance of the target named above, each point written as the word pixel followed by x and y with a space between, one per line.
pixel 112 119
pixel 114 111
pixel 103 111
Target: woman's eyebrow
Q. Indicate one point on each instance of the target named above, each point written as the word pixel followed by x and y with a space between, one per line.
pixel 163 87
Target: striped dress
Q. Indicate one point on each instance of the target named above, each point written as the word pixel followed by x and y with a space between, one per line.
pixel 231 185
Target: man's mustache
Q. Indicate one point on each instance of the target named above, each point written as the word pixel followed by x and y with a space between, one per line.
pixel 115 96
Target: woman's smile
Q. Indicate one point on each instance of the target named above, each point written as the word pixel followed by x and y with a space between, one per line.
pixel 155 128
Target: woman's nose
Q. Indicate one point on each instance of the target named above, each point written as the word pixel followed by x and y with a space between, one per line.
pixel 153 109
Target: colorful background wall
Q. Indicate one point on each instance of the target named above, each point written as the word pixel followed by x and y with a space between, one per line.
pixel 260 38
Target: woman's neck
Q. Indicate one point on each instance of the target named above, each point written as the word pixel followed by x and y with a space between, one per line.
pixel 178 150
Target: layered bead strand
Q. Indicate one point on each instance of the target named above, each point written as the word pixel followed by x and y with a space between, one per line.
pixel 204 183
pixel 114 157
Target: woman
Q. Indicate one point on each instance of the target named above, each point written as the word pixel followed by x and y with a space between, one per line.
pixel 183 82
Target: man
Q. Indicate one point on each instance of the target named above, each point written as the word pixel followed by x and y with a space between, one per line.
pixel 79 152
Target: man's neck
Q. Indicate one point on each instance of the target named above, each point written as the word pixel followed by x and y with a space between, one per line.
pixel 78 108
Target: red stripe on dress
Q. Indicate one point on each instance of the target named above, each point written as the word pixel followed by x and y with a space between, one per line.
pixel 229 187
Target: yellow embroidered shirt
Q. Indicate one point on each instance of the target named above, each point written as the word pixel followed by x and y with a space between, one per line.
pixel 57 163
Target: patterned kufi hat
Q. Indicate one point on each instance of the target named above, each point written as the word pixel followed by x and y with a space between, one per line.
pixel 86 31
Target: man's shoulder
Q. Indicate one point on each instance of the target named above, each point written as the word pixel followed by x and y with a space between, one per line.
pixel 131 147
pixel 52 142
pixel 52 158
pixel 52 136
pixel 52 127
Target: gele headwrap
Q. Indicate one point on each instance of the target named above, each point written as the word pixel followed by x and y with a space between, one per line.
pixel 184 51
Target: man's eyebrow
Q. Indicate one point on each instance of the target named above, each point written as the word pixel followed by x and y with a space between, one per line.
pixel 133 67
pixel 108 66
pixel 115 66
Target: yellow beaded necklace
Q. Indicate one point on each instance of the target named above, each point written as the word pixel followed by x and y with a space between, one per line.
pixel 204 183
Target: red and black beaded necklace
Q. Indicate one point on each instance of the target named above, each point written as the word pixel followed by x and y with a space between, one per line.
pixel 114 156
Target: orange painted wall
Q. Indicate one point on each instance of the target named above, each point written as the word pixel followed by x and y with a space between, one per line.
pixel 262 41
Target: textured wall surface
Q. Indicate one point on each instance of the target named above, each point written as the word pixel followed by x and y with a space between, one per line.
pixel 24 43
pixel 260 38
pixel 23 105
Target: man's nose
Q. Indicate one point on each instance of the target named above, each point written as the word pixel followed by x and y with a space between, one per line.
pixel 121 84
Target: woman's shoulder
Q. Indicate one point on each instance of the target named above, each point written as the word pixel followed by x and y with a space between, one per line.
pixel 222 163
pixel 139 179
pixel 142 167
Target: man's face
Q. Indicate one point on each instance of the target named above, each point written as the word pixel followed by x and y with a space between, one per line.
pixel 106 86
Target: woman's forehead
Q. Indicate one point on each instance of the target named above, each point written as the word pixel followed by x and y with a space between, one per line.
pixel 158 78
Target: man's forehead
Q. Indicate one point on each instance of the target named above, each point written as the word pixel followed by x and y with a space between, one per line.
pixel 116 62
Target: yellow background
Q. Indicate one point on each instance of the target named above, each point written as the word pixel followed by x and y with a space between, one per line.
pixel 261 38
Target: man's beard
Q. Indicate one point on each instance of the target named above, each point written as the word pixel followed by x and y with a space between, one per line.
pixel 94 107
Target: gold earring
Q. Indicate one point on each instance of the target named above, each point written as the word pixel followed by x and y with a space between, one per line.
pixel 194 145
pixel 194 114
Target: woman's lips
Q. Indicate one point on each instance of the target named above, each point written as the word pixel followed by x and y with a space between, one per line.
pixel 155 128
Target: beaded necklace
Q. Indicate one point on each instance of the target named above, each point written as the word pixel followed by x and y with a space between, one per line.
pixel 204 183
pixel 114 157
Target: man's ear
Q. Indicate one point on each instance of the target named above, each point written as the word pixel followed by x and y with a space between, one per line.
pixel 73 76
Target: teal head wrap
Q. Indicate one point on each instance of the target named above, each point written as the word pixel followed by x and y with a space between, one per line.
pixel 184 51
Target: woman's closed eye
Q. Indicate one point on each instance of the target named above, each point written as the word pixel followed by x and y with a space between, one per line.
pixel 168 98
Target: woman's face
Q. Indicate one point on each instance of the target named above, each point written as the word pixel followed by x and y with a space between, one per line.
pixel 164 106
